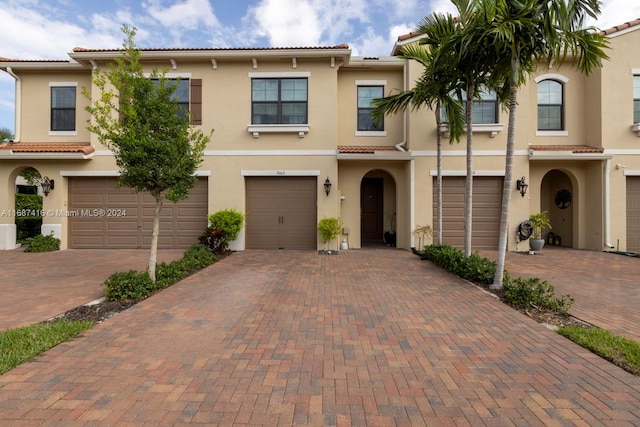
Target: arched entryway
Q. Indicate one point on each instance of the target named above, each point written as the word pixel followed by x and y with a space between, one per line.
pixel 557 197
pixel 378 212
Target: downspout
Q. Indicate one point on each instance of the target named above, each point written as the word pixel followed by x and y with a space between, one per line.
pixel 607 203
pixel 412 165
pixel 18 95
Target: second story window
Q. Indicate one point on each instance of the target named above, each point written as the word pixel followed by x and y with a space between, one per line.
pixel 180 94
pixel 485 109
pixel 550 105
pixel 636 99
pixel 279 101
pixel 366 95
pixel 63 108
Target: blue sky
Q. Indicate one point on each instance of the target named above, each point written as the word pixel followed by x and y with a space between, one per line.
pixel 48 29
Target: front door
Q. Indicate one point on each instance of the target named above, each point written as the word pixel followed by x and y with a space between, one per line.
pixel 371 205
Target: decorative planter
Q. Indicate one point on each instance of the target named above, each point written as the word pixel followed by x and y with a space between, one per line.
pixel 390 238
pixel 536 244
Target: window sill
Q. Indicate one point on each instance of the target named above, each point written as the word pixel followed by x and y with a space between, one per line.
pixel 371 133
pixel 256 130
pixel 491 128
pixel 63 133
pixel 636 128
pixel 552 133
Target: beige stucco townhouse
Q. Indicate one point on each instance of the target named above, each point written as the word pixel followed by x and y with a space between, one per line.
pixel 287 121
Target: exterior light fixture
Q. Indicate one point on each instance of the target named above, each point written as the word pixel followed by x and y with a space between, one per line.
pixel 327 186
pixel 47 185
pixel 521 185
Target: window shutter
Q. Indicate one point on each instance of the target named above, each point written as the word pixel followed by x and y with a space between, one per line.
pixel 196 101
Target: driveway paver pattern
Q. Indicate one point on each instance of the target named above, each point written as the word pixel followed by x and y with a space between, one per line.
pixel 605 286
pixel 367 337
pixel 40 286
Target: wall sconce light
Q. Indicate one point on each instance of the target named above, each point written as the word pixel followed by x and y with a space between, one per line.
pixel 327 186
pixel 521 185
pixel 47 185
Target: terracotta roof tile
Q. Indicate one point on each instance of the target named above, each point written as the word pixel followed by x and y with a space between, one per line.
pixel 361 149
pixel 620 27
pixel 606 32
pixel 572 148
pixel 196 49
pixel 47 147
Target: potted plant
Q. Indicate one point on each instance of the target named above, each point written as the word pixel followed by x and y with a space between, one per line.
pixel 329 229
pixel 538 222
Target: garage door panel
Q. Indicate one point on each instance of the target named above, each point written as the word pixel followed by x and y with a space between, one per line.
pixel 281 212
pixel 130 231
pixel 633 214
pixel 486 211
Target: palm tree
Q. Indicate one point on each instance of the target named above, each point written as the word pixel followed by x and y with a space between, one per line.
pixel 524 33
pixel 434 89
pixel 471 70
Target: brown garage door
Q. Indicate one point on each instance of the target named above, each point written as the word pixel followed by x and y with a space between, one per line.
pixel 487 205
pixel 281 212
pixel 633 213
pixel 110 217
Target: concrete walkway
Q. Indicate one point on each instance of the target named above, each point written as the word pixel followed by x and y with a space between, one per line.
pixel 367 337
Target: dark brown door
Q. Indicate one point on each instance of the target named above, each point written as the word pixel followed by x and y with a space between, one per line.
pixel 371 205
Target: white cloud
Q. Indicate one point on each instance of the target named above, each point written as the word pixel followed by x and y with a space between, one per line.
pixel 188 14
pixel 616 12
pixel 27 34
pixel 307 22
pixel 375 44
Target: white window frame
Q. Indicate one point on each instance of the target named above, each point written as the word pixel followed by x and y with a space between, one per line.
pixel 563 80
pixel 359 83
pixel 300 129
pixel 63 132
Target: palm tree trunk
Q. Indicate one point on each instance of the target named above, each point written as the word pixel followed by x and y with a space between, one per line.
pixel 508 181
pixel 438 239
pixel 153 256
pixel 468 210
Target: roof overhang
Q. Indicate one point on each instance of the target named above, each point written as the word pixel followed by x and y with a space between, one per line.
pixel 45 151
pixel 373 153
pixel 341 53
pixel 566 152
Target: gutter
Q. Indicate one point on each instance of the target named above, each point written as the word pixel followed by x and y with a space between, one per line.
pixel 607 203
pixel 18 106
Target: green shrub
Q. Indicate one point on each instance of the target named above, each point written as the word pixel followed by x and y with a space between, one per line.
pixel 474 268
pixel 228 220
pixel 197 257
pixel 168 274
pixel 43 243
pixel 126 285
pixel 524 293
pixel 27 227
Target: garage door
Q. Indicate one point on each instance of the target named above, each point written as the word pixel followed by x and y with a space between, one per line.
pixel 110 217
pixel 487 205
pixel 281 212
pixel 633 213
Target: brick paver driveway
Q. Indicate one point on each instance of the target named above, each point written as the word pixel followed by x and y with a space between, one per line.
pixel 368 337
pixel 38 286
